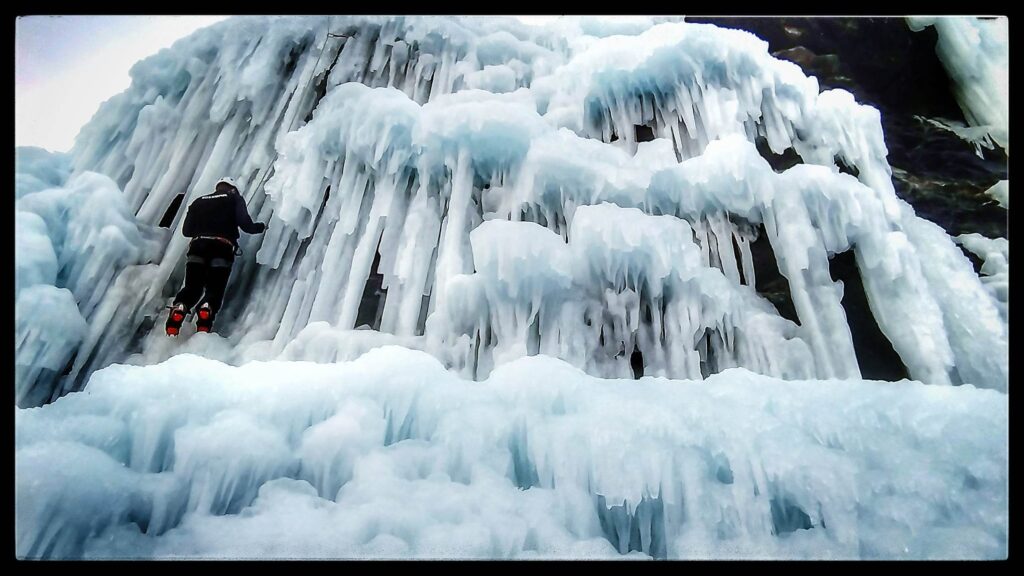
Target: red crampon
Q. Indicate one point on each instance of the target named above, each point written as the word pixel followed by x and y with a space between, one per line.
pixel 204 323
pixel 174 320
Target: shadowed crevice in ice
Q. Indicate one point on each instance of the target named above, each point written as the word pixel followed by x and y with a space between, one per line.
pixel 640 528
pixel 875 355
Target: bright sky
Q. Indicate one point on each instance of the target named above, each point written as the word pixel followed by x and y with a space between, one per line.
pixel 66 66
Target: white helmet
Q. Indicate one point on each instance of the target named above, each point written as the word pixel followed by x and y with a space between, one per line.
pixel 229 181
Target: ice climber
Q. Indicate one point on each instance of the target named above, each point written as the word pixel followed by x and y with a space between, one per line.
pixel 212 222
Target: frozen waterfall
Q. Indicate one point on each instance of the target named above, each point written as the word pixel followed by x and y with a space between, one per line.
pixel 480 234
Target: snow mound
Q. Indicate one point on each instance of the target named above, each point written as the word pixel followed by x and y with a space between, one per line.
pixel 392 456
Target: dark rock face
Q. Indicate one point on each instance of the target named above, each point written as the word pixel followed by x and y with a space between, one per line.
pixel 886 65
pixel 943 179
pixel 880 60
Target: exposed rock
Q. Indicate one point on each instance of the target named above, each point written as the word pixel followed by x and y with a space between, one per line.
pixel 885 64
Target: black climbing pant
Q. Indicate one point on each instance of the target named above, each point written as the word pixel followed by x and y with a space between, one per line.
pixel 207 268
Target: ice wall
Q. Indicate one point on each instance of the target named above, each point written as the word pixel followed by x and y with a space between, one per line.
pixel 36 169
pixel 489 176
pixel 507 307
pixel 72 238
pixel 995 268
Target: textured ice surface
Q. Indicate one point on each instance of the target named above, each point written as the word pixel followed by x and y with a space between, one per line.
pixel 36 169
pixel 995 268
pixel 1001 192
pixel 392 456
pixel 386 152
pixel 453 204
pixel 72 240
pixel 975 52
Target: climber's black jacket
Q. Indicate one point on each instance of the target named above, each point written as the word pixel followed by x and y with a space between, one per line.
pixel 219 214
